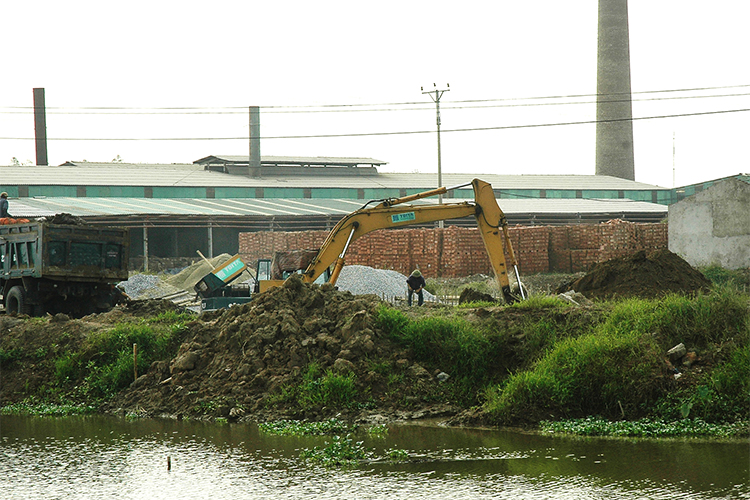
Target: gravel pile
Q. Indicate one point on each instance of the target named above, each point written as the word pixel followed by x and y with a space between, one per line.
pixel 359 280
pixel 386 284
pixel 147 286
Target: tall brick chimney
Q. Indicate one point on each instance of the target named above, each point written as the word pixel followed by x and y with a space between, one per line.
pixel 614 113
pixel 40 127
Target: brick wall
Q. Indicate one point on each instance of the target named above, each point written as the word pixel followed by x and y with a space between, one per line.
pixel 539 249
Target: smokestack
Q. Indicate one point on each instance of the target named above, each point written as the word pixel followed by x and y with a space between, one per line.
pixel 254 141
pixel 614 139
pixel 40 127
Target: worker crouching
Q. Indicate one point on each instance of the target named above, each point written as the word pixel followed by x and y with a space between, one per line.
pixel 416 284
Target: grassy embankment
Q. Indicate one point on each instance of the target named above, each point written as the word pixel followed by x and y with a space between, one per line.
pixel 536 361
pixel 87 369
pixel 613 368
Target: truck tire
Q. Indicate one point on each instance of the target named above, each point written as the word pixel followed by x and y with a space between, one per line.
pixel 15 301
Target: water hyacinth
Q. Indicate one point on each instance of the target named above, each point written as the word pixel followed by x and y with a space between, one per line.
pixel 646 428
pixel 340 452
pixel 300 428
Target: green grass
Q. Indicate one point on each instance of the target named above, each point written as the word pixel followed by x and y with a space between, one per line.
pixel 738 279
pixel 593 374
pixel 618 369
pixel 9 356
pixel 453 343
pixel 325 388
pixel 540 301
pixel 104 364
pixel 477 304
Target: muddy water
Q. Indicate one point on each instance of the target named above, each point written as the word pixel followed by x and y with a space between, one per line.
pixel 103 458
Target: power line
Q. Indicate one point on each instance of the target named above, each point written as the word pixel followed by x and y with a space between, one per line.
pixel 376 134
pixel 377 107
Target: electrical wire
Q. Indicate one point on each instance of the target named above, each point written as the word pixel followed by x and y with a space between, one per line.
pixel 329 108
pixel 376 134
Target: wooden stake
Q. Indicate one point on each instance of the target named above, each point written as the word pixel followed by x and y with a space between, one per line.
pixel 135 361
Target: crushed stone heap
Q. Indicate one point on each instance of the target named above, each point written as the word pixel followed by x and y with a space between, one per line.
pixel 385 283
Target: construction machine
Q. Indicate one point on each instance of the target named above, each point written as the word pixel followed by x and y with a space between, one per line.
pixel 395 213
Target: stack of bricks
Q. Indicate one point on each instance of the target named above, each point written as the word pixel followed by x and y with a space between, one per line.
pixel 538 249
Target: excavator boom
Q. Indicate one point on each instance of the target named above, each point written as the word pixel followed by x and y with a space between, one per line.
pixel 394 213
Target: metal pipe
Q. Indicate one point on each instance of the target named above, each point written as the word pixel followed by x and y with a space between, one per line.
pixel 518 280
pixel 458 186
pixel 340 261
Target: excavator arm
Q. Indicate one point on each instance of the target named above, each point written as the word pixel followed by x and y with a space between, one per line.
pixel 393 213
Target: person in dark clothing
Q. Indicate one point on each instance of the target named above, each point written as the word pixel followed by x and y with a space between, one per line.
pixel 4 205
pixel 416 284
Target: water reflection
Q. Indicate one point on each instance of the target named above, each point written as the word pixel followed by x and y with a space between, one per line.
pixel 99 457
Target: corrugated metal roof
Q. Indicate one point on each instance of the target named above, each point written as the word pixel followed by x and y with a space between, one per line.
pixel 37 207
pixel 293 160
pixel 194 175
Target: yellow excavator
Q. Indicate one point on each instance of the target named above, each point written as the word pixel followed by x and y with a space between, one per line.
pixel 395 213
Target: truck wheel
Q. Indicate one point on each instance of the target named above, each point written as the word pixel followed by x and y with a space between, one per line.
pixel 15 302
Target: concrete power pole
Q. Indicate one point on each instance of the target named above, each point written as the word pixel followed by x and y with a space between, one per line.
pixel 436 94
pixel 614 113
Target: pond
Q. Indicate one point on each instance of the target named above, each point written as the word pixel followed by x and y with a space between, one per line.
pixel 105 457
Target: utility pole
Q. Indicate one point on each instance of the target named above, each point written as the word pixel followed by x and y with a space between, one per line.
pixel 435 95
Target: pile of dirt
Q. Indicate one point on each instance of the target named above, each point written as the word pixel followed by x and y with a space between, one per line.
pixel 66 219
pixel 642 274
pixel 471 295
pixel 231 362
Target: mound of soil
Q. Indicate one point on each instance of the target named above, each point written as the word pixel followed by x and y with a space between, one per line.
pixel 640 275
pixel 232 362
pixel 471 295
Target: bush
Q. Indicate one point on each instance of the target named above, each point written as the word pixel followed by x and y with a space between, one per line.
pixel 330 389
pixel 104 364
pixel 597 374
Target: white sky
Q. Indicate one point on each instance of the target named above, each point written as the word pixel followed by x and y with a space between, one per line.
pixel 219 57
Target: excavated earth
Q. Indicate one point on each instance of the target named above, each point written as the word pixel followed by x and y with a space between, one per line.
pixel 232 362
pixel 641 274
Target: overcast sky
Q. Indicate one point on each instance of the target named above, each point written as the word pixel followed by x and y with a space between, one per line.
pixel 353 70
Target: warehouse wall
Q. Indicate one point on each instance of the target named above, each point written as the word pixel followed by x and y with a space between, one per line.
pixel 713 226
pixel 539 249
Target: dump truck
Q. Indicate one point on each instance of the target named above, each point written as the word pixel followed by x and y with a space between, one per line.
pixel 62 268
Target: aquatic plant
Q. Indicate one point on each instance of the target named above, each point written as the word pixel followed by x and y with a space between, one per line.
pixel 378 431
pixel 299 428
pixel 647 428
pixel 397 455
pixel 339 452
pixel 37 408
